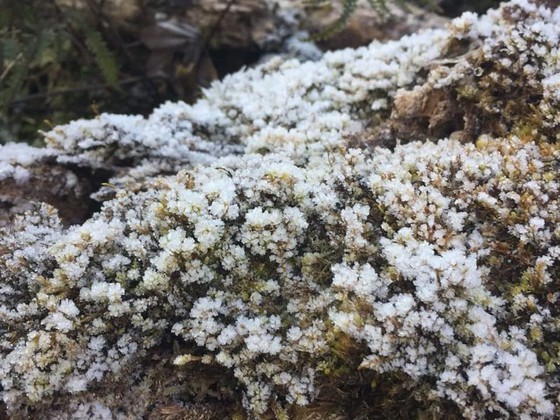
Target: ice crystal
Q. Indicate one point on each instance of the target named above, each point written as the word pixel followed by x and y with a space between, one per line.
pixel 434 260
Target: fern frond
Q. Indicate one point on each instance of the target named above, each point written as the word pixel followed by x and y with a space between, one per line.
pixel 349 7
pixel 104 58
pixel 18 73
pixel 380 6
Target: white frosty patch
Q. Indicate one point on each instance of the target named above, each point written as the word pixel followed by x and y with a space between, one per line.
pixel 14 157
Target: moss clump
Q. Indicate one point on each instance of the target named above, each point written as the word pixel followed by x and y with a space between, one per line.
pixel 419 280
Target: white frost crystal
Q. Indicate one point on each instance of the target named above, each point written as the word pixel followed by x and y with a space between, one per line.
pixel 437 260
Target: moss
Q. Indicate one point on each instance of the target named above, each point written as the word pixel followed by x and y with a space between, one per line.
pixel 317 281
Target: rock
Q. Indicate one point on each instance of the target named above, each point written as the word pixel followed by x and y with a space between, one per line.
pixel 366 25
pixel 122 11
pixel 30 175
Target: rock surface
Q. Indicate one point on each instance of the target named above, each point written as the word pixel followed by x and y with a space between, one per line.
pixel 30 175
pixel 373 234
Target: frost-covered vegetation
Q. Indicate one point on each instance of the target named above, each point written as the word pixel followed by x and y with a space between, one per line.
pixel 292 254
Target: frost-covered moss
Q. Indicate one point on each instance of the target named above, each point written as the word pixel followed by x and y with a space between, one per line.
pixel 428 271
pixel 263 265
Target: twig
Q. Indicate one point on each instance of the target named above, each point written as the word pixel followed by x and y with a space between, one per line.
pixel 213 31
pixel 9 67
pixel 99 86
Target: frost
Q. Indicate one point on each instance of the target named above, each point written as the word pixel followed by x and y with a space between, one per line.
pixel 312 253
pixel 16 157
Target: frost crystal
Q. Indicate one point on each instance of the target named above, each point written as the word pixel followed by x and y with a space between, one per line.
pixel 313 255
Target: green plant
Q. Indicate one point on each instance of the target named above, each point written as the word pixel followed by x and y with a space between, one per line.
pixel 61 63
pixel 47 53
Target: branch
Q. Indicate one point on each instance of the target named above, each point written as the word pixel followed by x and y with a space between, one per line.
pixel 99 86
